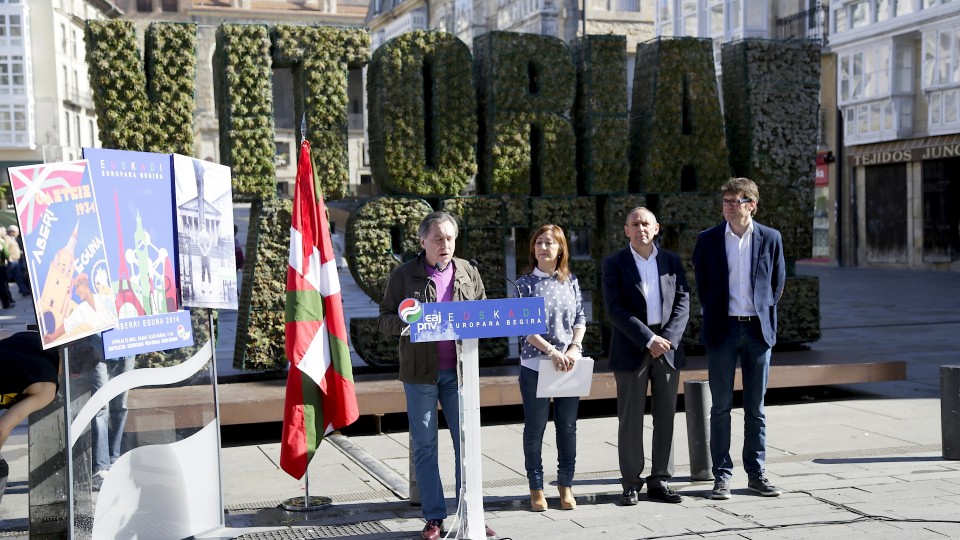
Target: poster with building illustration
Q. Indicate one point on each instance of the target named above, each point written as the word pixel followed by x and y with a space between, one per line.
pixel 208 270
pixel 65 250
pixel 135 197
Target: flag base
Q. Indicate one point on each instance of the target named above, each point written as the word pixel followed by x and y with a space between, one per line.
pixel 307 504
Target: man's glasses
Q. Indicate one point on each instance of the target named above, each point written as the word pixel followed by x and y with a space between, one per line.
pixel 733 203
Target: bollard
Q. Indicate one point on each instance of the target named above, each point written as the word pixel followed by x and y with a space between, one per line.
pixel 414 487
pixel 950 411
pixel 697 402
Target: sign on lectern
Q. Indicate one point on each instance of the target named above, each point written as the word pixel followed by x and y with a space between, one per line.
pixel 468 321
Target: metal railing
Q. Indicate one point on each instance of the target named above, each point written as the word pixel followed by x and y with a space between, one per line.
pixel 74 95
pixel 810 24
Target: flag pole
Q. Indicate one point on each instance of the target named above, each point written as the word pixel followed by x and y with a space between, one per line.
pixel 306 196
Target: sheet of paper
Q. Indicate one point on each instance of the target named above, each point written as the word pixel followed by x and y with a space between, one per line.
pixel 576 382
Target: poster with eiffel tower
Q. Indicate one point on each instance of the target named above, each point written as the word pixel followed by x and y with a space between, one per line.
pixel 135 196
pixel 65 250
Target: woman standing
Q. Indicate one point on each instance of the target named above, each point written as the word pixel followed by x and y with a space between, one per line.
pixel 549 277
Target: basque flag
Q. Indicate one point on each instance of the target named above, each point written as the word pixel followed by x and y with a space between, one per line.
pixel 320 391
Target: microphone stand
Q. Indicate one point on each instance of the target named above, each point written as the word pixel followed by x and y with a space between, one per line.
pixel 477 265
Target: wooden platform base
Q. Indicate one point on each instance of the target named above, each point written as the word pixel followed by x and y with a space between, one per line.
pixel 255 402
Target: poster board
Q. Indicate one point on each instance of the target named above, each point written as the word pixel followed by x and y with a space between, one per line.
pixel 65 250
pixel 135 195
pixel 205 235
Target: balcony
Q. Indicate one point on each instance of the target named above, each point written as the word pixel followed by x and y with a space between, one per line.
pixel 74 96
pixel 355 122
pixel 811 24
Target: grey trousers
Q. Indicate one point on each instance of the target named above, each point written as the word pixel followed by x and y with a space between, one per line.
pixel 631 406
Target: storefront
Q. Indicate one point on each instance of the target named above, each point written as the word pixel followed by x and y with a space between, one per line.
pixel 906 195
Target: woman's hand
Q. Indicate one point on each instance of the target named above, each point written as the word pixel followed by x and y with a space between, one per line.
pixel 574 353
pixel 560 361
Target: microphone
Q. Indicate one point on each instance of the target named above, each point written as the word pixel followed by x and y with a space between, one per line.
pixel 477 265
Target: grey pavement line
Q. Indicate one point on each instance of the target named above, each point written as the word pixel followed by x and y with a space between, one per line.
pixel 384 474
pixel 888 325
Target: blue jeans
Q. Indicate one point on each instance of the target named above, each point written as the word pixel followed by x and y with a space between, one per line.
pixel 16 271
pixel 535 413
pixel 744 343
pixel 422 414
pixel 107 426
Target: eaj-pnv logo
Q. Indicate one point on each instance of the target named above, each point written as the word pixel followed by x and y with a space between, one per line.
pixel 410 310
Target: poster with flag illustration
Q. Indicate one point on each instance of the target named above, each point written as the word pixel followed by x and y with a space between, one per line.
pixel 208 269
pixel 320 394
pixel 135 196
pixel 65 250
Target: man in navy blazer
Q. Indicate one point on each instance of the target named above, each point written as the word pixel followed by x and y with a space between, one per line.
pixel 740 273
pixel 647 302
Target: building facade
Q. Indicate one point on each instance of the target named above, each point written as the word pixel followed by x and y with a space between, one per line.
pixel 726 21
pixel 46 104
pixel 210 14
pixel 898 81
pixel 563 19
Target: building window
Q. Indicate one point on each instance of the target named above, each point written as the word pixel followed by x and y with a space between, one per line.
pixel 734 16
pixel 66 128
pixel 903 7
pixel 169 5
pixel 11 30
pixel 689 17
pixel 859 14
pixel 145 6
pixel 839 19
pixel 903 76
pixel 12 81
pixel 14 128
pixel 865 75
pixel 281 155
pixel 941 65
pixel 883 9
pixel 665 17
pixel 716 18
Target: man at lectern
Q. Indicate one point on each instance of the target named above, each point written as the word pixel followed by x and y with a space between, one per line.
pixel 429 370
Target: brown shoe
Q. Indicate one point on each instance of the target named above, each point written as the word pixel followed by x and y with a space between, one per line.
pixel 432 530
pixel 538 503
pixel 567 501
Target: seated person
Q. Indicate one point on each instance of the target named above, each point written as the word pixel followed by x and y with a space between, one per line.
pixel 29 378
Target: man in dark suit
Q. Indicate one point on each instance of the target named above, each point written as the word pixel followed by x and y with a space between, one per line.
pixel 647 302
pixel 740 273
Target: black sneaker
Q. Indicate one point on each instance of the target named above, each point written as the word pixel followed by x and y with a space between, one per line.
pixel 629 497
pixel 763 486
pixel 721 490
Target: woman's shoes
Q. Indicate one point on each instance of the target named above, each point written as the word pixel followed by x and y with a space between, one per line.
pixel 567 501
pixel 538 503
